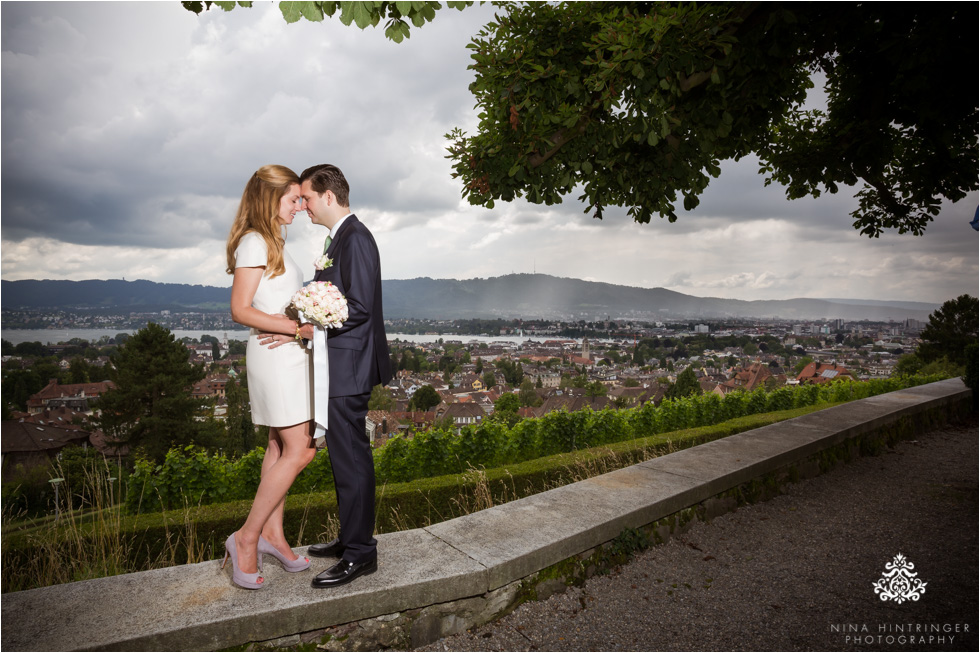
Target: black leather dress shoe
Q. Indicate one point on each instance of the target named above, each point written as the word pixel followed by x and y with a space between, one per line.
pixel 331 549
pixel 344 572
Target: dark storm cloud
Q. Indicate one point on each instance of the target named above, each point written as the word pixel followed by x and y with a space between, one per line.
pixel 139 147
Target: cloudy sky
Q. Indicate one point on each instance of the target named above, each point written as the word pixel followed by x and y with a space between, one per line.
pixel 129 130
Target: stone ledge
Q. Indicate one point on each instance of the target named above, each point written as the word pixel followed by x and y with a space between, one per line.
pixel 195 607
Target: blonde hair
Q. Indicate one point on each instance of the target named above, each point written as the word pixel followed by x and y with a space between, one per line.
pixel 259 212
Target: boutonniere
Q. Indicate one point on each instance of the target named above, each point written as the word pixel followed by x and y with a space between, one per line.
pixel 323 262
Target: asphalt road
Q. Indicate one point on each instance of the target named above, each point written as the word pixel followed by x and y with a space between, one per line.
pixel 793 573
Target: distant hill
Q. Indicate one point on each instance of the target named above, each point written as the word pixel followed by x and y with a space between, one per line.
pixel 100 294
pixel 510 296
pixel 918 306
pixel 539 295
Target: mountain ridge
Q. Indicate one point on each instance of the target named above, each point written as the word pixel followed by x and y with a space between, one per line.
pixel 508 296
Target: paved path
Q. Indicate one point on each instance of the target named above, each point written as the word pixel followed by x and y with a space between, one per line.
pixel 793 573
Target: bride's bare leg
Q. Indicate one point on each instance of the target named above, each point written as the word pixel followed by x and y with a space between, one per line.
pixel 272 530
pixel 297 451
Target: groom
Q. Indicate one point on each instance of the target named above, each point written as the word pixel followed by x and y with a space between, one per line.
pixel 358 361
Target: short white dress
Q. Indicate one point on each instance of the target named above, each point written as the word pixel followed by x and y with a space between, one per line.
pixel 280 380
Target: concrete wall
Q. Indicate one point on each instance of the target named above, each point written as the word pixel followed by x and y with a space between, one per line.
pixel 453 575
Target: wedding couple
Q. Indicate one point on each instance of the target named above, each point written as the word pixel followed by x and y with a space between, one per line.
pixel 280 367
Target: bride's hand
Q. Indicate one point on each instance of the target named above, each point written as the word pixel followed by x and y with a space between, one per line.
pixel 273 340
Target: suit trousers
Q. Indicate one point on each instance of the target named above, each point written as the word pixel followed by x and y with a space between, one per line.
pixel 353 475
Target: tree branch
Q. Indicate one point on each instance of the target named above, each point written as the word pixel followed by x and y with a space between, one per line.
pixel 885 194
pixel 675 144
pixel 561 137
pixel 687 83
pixel 744 11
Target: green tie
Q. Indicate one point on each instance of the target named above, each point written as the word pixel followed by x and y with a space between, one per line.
pixel 326 243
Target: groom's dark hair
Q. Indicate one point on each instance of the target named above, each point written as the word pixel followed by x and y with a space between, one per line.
pixel 326 177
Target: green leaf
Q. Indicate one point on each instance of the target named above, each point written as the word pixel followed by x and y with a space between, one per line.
pixel 394 31
pixel 311 11
pixel 358 13
pixel 291 11
pixel 226 6
pixel 587 167
pixel 405 8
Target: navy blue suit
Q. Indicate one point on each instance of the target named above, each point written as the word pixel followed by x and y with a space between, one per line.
pixel 359 360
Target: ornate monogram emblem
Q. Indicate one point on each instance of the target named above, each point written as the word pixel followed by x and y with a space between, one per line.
pixel 899 582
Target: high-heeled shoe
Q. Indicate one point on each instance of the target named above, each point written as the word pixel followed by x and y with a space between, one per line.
pixel 299 564
pixel 240 578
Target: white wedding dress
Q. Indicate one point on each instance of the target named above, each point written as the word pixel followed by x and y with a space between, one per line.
pixel 279 380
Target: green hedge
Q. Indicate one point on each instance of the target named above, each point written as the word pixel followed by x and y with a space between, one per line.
pixel 194 477
pixel 492 444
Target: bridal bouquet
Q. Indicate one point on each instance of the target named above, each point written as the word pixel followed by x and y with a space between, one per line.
pixel 320 302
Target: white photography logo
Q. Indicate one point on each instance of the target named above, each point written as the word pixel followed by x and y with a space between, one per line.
pixel 899 582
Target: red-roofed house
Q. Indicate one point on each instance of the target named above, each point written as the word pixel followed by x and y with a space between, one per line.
pixel 212 386
pixel 378 426
pixel 75 396
pixel 416 420
pixel 746 378
pixel 823 373
pixel 60 417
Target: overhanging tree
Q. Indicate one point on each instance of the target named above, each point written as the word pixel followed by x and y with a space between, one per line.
pixel 637 104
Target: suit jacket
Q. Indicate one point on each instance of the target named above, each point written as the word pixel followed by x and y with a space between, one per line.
pixel 358 351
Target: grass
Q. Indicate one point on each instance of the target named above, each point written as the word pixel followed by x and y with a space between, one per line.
pixel 93 552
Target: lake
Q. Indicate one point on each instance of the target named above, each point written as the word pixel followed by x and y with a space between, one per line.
pixel 54 336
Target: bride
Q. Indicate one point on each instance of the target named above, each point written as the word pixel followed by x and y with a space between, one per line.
pixel 279 379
